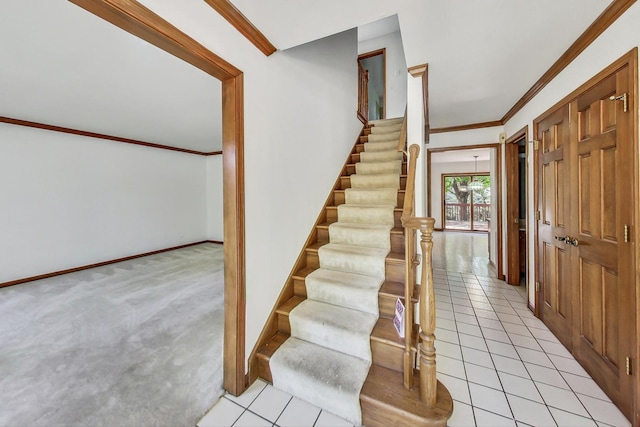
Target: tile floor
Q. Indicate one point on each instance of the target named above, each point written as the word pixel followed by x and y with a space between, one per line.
pixel 501 365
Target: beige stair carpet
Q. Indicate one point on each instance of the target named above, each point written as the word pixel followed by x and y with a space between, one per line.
pixel 327 358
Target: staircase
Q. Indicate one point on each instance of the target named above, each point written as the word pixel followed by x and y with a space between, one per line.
pixel 331 339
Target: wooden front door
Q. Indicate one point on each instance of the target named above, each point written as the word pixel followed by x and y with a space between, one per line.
pixel 586 253
pixel 602 205
pixel 553 205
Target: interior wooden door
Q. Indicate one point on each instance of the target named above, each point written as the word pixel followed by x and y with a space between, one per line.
pixel 513 215
pixel 554 268
pixel 603 204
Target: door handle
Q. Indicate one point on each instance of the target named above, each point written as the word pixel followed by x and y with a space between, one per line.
pixel 572 241
pixel 561 239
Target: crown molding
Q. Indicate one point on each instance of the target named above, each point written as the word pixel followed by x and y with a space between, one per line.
pixel 470 126
pixel 418 70
pixel 240 22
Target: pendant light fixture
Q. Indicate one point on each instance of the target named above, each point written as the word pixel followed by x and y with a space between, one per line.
pixel 476 185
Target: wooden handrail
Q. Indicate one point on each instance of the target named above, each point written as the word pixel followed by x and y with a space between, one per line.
pixel 363 94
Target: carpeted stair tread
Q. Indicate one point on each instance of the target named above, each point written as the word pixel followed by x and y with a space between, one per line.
pixel 338 328
pixel 343 289
pixel 371 196
pixel 368 168
pixel 369 235
pixel 392 128
pixel 383 137
pixel 379 180
pixel 324 377
pixel 386 122
pixel 381 156
pixel 353 259
pixel 367 214
pixel 380 146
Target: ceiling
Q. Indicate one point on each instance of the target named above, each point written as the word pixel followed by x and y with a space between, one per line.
pixel 79 71
pixel 482 55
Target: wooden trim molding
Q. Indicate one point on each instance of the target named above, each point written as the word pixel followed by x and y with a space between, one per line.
pixel 371 54
pixel 417 70
pixel 467 127
pixel 602 22
pixel 217 242
pixel 98 264
pixel 87 134
pixel 240 22
pixel 136 19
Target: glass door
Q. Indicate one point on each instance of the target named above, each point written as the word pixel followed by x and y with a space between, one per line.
pixel 466 202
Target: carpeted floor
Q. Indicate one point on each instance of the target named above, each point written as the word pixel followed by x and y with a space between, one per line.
pixel 138 343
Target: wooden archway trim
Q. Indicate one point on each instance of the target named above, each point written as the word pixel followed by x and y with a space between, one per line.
pixel 140 21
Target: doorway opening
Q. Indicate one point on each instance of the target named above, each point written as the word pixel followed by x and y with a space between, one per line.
pixel 516 172
pixel 466 202
pixel 374 63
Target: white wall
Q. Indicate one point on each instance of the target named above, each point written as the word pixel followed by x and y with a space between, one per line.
pixel 68 201
pixel 437 170
pixel 396 70
pixel 618 39
pixel 215 205
pixel 300 124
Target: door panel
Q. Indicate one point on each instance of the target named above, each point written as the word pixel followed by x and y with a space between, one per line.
pixel 555 273
pixel 603 264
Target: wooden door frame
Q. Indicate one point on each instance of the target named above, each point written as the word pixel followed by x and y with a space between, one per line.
pixel 511 167
pixel 629 59
pixel 498 147
pixel 442 193
pixel 136 19
pixel 371 54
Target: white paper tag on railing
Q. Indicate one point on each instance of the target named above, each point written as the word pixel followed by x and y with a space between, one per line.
pixel 398 319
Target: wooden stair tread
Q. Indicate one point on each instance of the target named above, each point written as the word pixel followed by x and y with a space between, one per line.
pixel 303 273
pixel 396 289
pixel 289 305
pixel 272 345
pixel 395 257
pixel 386 333
pixel 385 401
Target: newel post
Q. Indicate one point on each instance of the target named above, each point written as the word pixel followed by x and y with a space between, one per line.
pixel 428 381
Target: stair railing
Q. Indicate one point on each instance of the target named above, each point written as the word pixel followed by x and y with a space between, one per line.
pixel 363 93
pixel 427 305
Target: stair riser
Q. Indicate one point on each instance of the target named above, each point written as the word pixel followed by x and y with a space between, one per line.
pixel 345 182
pixel 332 216
pixel 351 169
pixel 394 268
pixel 339 198
pixel 389 356
pixel 397 240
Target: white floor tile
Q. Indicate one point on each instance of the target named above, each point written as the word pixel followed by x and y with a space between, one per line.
pixel 477 357
pixel 504 310
pixel 555 348
pixel 584 385
pixel 517 329
pixel 443 306
pixel 270 403
pixel 562 399
pixel 481 305
pixel 521 387
pixel 466 328
pixel 541 334
pixel 444 314
pixel 527 411
pixel 327 419
pixel 488 419
pixel 466 318
pixel 568 365
pixel 526 342
pixel 483 376
pixel 461 301
pixel 536 357
pixel 462 416
pixel 450 366
pixel 564 418
pixel 604 411
pixel 446 335
pixel 223 414
pixel 510 318
pixel 487 314
pixel 246 398
pixel 489 399
pixel 499 301
pixel 445 323
pixel 458 388
pixel 463 309
pixel 447 349
pixel 510 366
pixel 495 335
pixel 489 323
pixel 473 342
pixel 533 323
pixel 248 419
pixel 540 374
pixel 298 413
pixel 502 349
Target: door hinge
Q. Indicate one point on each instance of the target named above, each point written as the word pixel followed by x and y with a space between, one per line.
pixel 537 215
pixel 537 286
pixel 628 365
pixel 623 98
pixel 626 233
pixel 536 144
